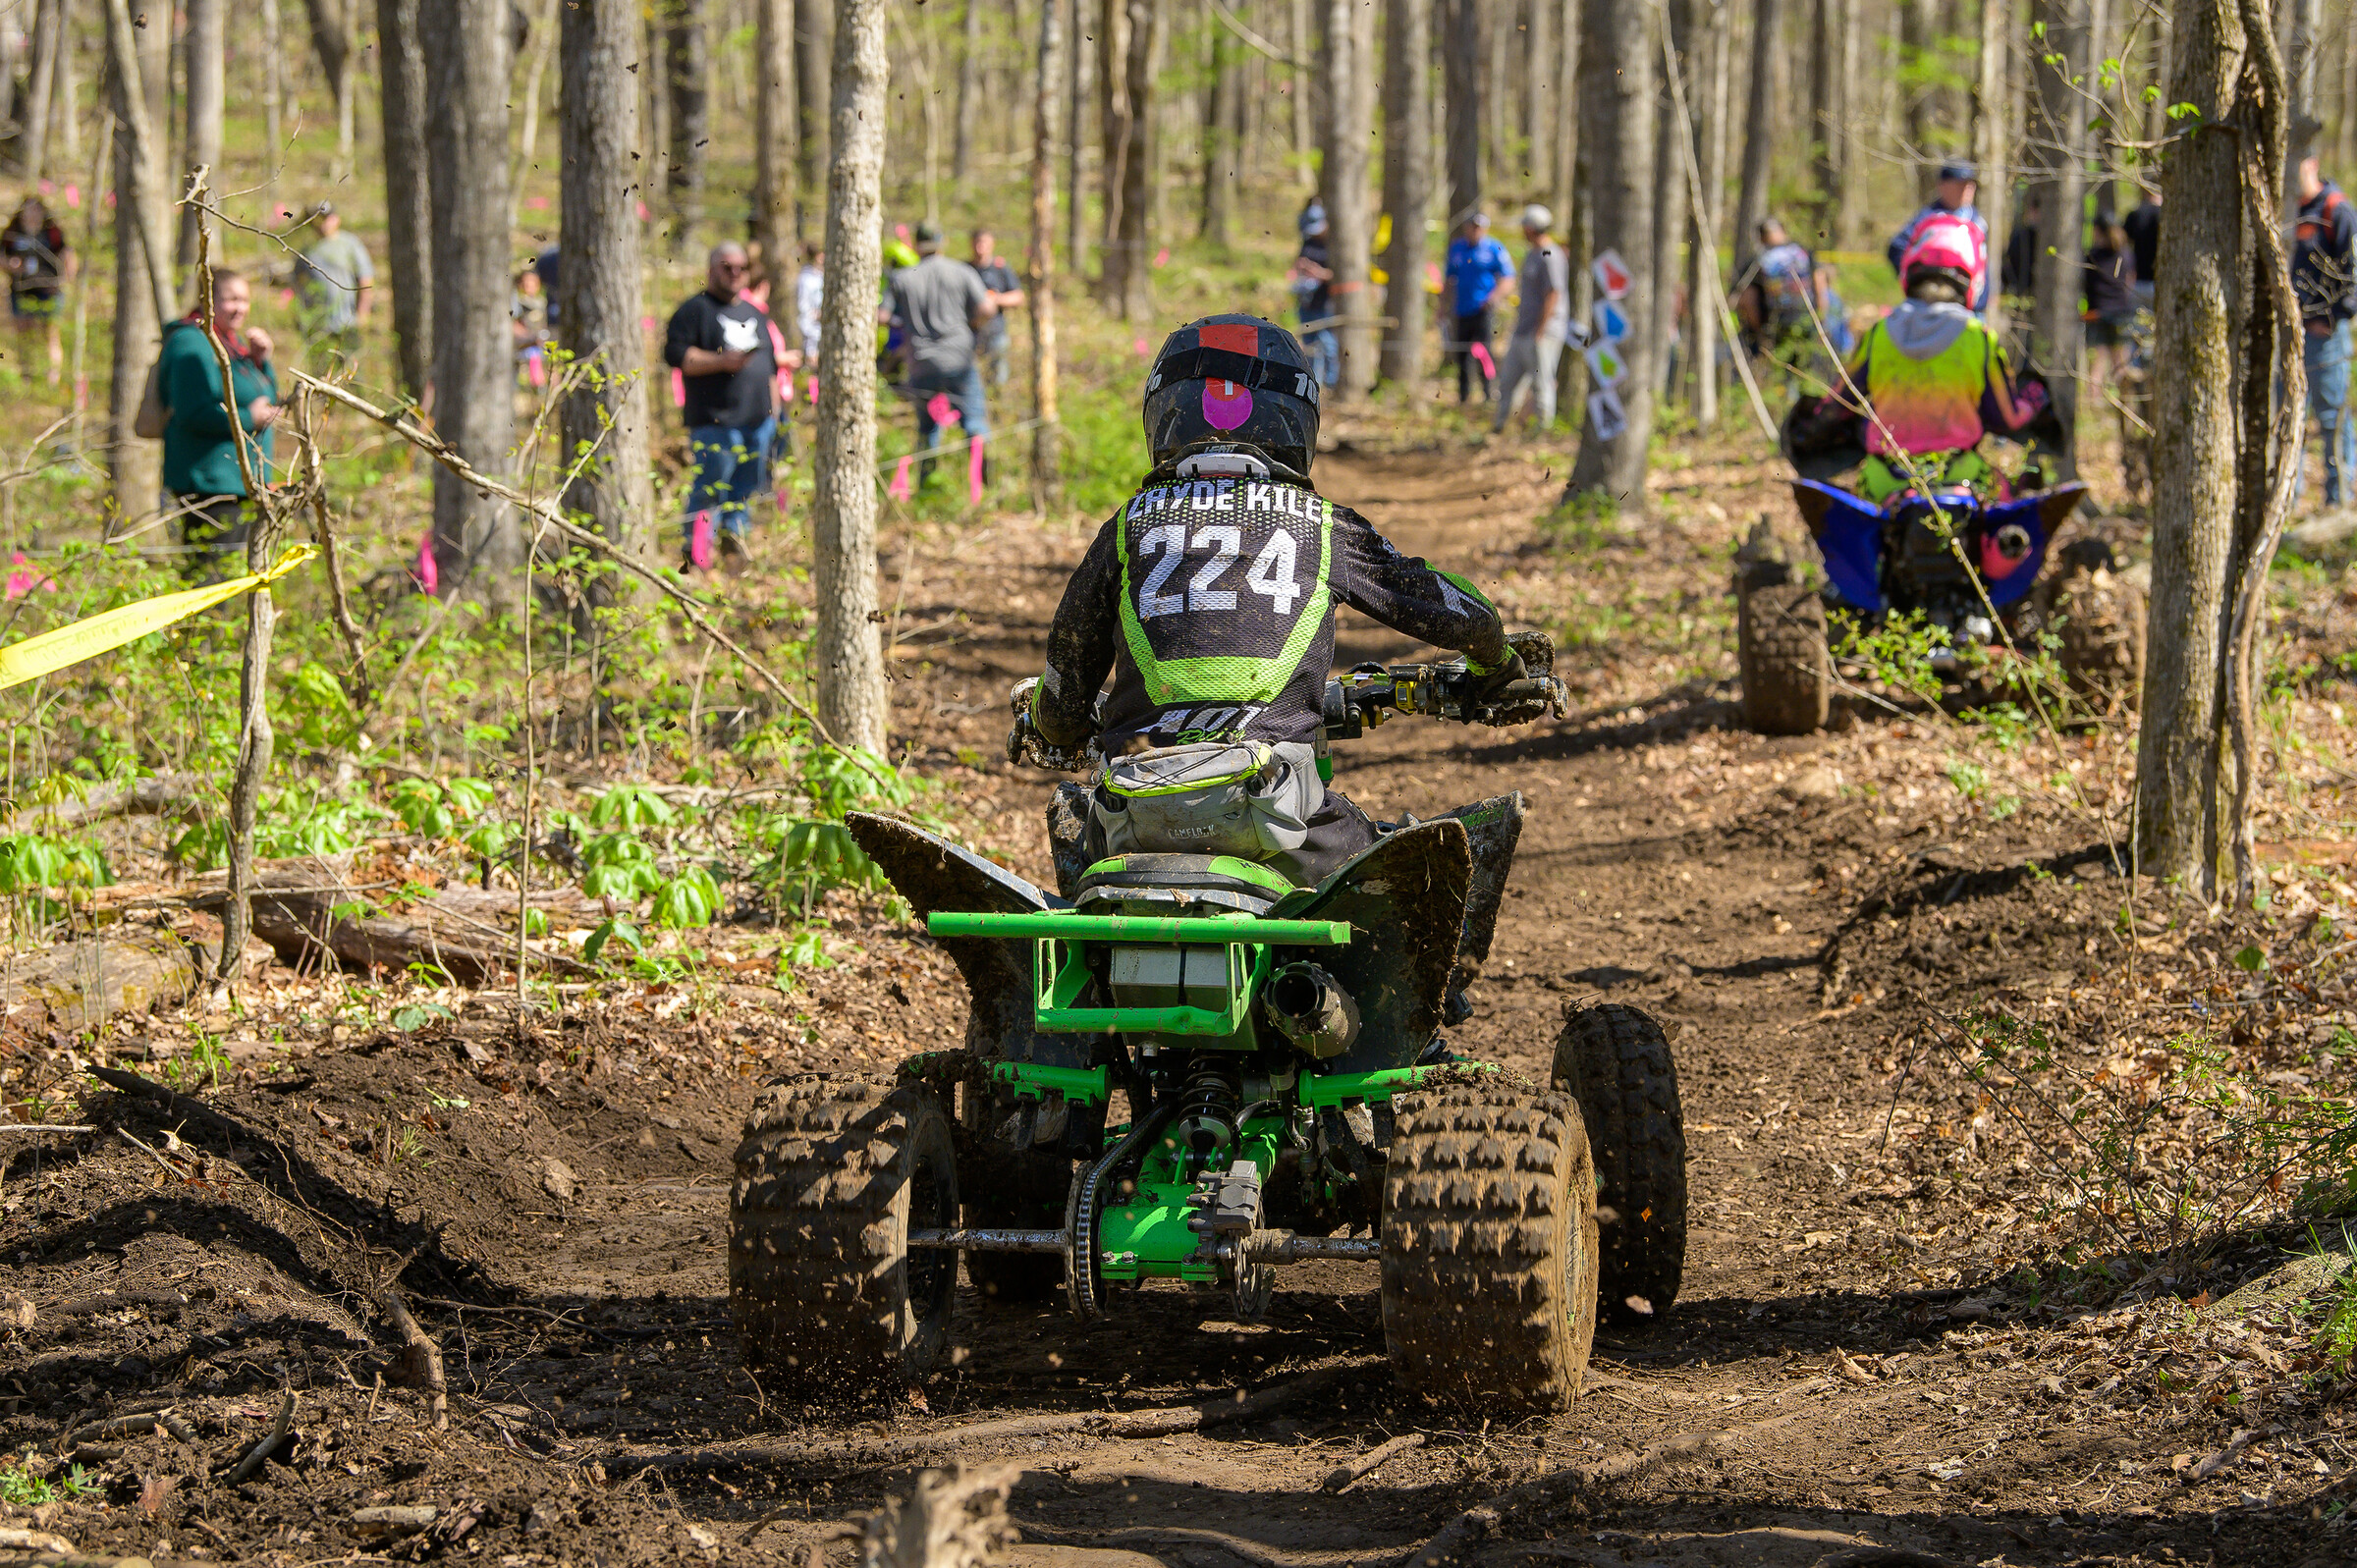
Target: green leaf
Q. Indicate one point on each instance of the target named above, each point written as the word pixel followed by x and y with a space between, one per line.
pixel 2250 960
pixel 613 929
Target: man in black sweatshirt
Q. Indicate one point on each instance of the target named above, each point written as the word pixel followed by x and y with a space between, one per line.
pixel 720 342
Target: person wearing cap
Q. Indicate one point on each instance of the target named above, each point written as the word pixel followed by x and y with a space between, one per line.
pixel 1785 302
pixel 1958 183
pixel 720 342
pixel 935 306
pixel 1542 320
pixel 1312 282
pixel 1476 268
pixel 336 278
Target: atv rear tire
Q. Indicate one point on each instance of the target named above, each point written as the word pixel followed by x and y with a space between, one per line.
pixel 1780 653
pixel 1489 1249
pixel 1030 1195
pixel 833 1175
pixel 1615 1061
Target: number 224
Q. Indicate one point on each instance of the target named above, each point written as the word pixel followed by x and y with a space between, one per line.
pixel 1270 574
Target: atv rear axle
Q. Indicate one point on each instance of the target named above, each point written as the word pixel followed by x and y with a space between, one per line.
pixel 1287 1248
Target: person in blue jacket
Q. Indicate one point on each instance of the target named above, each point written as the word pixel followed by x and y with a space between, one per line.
pixel 1477 270
pixel 1959 182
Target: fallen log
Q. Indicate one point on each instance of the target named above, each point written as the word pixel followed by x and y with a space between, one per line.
pixel 80 984
pixel 167 794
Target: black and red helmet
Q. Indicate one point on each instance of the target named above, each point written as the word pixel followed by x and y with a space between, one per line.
pixel 1232 383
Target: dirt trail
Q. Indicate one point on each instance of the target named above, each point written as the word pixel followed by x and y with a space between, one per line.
pixel 576 1201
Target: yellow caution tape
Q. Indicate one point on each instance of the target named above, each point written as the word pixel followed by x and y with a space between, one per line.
pixel 53 651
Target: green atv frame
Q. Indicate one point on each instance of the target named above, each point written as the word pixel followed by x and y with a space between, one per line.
pixel 1287 1097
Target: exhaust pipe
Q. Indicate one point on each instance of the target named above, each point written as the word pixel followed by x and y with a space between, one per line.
pixel 1311 1009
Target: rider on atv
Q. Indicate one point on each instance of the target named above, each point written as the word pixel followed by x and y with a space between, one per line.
pixel 1934 379
pixel 1210 597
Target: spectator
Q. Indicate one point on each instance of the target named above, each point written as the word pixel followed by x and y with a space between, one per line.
pixel 809 293
pixel 336 276
pixel 200 451
pixel 2019 269
pixel 1541 322
pixel 1958 183
pixel 936 307
pixel 2323 263
pixel 2144 235
pixel 527 324
pixel 1312 283
pixel 1784 302
pixel 1476 267
pixel 2112 303
pixel 545 266
pixel 720 343
pixel 1007 293
pixel 40 264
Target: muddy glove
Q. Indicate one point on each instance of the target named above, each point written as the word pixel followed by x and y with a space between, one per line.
pixel 1027 748
pixel 1488 690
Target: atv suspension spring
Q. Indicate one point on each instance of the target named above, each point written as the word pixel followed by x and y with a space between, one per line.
pixel 1207 1107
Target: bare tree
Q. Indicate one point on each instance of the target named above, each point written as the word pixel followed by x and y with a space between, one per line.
pixel 1619 129
pixel 1920 101
pixel 1129 275
pixel 40 87
pixel 1993 144
pixel 1080 79
pixel 1704 286
pixel 1825 141
pixel 1223 136
pixel 846 651
pixel 1039 287
pixel 1349 61
pixel 1406 180
pixel 408 205
pixel 598 283
pixel 1113 125
pixel 773 135
pixel 969 66
pixel 1460 57
pixel 274 95
pixel 140 61
pixel 1298 92
pixel 689 79
pixel 207 39
pixel 331 37
pixel 813 49
pixel 2227 446
pixel 468 46
pixel 2071 26
pixel 1759 129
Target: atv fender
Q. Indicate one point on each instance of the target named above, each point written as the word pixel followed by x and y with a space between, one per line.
pixel 934 874
pixel 1405 896
pixel 1492 828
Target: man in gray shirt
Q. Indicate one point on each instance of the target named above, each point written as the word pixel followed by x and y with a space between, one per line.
pixel 337 278
pixel 936 304
pixel 1542 321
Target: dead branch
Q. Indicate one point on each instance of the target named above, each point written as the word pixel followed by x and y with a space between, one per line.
pixel 422 1360
pixel 1342 1475
pixel 949 1520
pixel 1250 1551
pixel 268 1445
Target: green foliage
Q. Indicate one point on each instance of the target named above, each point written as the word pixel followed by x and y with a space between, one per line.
pixel 21 1488
pixel 416 1016
pixel 32 863
pixel 434 809
pixel 1897 654
pixel 629 806
pixel 620 866
pixel 690 898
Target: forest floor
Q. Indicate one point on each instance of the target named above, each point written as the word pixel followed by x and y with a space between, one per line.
pixel 1907 1335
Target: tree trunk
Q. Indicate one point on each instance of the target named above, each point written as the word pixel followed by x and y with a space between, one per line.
pixel 1673 213
pixel 1919 100
pixel 1993 146
pixel 207 39
pixel 1620 126
pixel 1113 126
pixel 1567 130
pixel 1082 78
pixel 1406 181
pixel 331 37
pixel 274 96
pixel 1759 129
pixel 2303 45
pixel 2071 25
pixel 598 304
pixel 2210 319
pixel 689 80
pixel 1039 287
pixel 1540 57
pixel 1128 275
pixel 1297 44
pixel 1223 137
pixel 40 88
pixel 1825 143
pixel 773 139
pixel 141 64
pixel 969 63
pixel 846 651
pixel 1704 286
pixel 408 205
pixel 1349 54
pixel 813 50
pixel 466 46
pixel 1460 57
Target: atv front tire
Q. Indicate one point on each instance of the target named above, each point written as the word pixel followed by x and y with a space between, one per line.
pixel 1781 653
pixel 1615 1061
pixel 833 1175
pixel 1489 1249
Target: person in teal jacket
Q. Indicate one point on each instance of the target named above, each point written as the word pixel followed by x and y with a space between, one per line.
pixel 201 455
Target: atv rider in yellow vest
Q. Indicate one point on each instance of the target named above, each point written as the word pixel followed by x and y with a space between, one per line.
pixel 1935 380
pixel 1209 598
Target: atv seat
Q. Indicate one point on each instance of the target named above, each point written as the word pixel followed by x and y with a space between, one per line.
pixel 1169 885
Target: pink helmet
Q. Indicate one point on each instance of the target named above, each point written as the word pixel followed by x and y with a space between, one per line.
pixel 1946 245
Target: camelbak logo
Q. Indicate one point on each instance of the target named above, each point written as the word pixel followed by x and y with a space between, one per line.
pixel 1203 832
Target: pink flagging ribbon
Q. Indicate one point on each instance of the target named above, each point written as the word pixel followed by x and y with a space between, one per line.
pixel 898 488
pixel 1489 367
pixel 703 541
pixel 74 196
pixel 427 573
pixel 1161 257
pixel 973 471
pixel 814 392
pixel 535 369
pixel 25 577
pixel 679 388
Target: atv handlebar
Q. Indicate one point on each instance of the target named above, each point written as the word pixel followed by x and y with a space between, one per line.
pixel 1367 696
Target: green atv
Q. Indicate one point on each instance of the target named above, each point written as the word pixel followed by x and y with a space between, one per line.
pixel 1283 1092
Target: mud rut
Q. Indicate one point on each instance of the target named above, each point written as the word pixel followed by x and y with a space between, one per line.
pixel 599 1415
